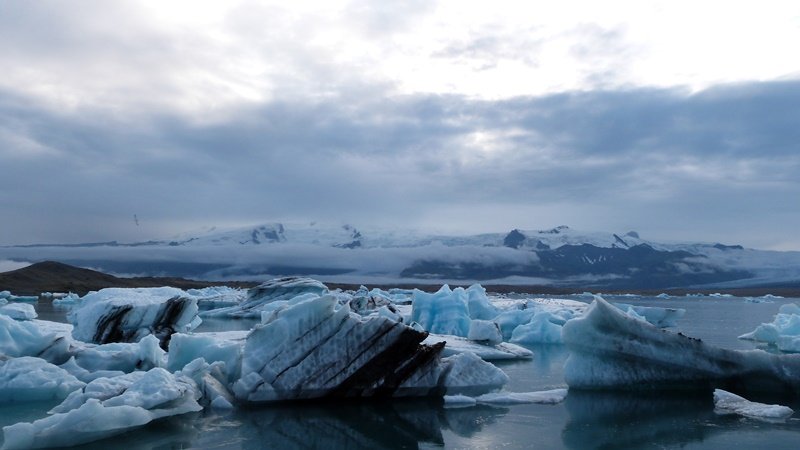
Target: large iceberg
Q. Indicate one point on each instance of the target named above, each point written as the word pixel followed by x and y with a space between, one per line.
pixel 127 315
pixel 611 350
pixel 315 347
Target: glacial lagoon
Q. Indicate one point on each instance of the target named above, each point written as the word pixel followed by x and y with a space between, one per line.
pixel 585 420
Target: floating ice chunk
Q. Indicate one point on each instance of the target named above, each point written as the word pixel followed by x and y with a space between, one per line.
pixel 31 379
pixel 660 317
pixel 609 349
pixel 728 403
pixel 211 381
pixel 211 347
pixel 459 401
pixel 102 411
pixel 127 315
pixel 479 305
pixel 39 338
pixel 663 295
pixel 3 301
pixel 121 356
pixel 455 345
pixel 5 294
pixel 444 312
pixel 317 348
pixel 783 331
pixel 540 330
pixel 67 300
pixel 550 397
pixel 485 331
pixel 467 373
pixel 19 311
pixel 261 297
pixel 508 321
pixel 214 297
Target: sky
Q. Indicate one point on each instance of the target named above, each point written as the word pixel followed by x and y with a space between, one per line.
pixel 676 119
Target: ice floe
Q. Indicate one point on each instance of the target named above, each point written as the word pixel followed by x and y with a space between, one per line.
pixel 550 397
pixel 728 403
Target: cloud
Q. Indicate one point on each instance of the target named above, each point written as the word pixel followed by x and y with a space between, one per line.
pixel 621 157
pixel 420 115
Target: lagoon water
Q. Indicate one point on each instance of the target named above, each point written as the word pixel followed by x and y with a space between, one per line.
pixel 586 420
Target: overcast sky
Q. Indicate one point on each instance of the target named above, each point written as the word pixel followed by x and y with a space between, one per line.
pixel 677 119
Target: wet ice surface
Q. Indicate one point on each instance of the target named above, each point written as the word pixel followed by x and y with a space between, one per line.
pixel 585 420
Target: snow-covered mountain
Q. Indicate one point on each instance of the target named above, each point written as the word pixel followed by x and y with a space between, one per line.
pixel 348 253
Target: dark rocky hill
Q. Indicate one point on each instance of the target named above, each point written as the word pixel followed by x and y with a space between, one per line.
pixel 51 276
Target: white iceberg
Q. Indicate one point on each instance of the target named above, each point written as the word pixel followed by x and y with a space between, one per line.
pixel 550 397
pixel 128 314
pixel 783 331
pixel 29 379
pixel 107 407
pixel 485 331
pixel 728 403
pixel 455 345
pixel 660 317
pixel 19 311
pixel 47 340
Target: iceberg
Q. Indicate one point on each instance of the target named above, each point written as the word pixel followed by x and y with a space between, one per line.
pixel 611 350
pixel 728 403
pixel 107 407
pixel 315 347
pixel 29 379
pixel 46 340
pixel 455 345
pixel 260 298
pixel 783 331
pixel 550 397
pixel 660 317
pixel 485 331
pixel 128 314
pixel 542 329
pixel 443 312
pixel 19 311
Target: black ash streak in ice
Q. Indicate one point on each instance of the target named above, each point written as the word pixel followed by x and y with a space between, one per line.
pixel 611 350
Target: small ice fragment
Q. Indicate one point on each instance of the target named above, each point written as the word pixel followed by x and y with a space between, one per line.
pixel 550 397
pixel 728 403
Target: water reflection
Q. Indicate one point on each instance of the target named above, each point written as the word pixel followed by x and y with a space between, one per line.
pixel 601 420
pixel 358 425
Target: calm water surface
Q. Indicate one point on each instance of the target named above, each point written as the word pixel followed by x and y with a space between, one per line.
pixel 585 420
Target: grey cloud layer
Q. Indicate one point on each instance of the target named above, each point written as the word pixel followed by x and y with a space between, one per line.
pixel 712 166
